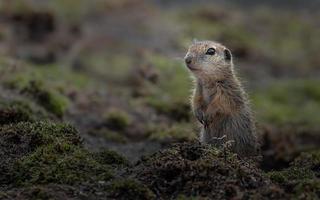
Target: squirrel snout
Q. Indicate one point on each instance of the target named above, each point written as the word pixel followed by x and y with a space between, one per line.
pixel 188 60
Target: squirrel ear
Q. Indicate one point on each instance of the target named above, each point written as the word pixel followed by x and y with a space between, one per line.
pixel 227 55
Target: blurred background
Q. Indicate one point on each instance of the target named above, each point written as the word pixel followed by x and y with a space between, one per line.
pixel 114 68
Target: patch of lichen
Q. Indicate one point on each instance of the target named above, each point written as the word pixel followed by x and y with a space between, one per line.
pixel 130 189
pixel 199 170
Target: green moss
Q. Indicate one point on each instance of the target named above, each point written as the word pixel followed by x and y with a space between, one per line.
pixel 59 163
pixel 301 178
pixel 24 138
pixel 130 189
pixel 41 192
pixel 308 189
pixel 111 158
pixel 50 100
pixel 40 133
pixel 49 153
pixel 278 177
pixel 291 174
pixel 117 119
pixel 19 111
pixel 309 160
pixel 16 81
pixel 193 169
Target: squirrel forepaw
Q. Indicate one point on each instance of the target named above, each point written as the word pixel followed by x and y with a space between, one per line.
pixel 200 116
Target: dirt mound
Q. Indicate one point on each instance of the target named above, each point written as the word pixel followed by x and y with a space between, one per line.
pixel 203 171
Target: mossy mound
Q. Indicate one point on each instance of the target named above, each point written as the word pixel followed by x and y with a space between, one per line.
pixel 130 189
pixel 310 160
pixel 10 113
pixel 60 164
pixel 41 92
pixel 302 178
pixel 24 138
pixel 51 191
pixel 45 153
pixel 195 170
pixel 111 158
pixel 44 160
pixel 47 98
pixel 19 111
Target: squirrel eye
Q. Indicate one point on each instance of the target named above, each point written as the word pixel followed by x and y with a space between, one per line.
pixel 211 51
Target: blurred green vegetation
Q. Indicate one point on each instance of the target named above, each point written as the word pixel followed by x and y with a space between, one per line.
pixel 177 132
pixel 284 38
pixel 57 76
pixel 174 80
pixel 292 101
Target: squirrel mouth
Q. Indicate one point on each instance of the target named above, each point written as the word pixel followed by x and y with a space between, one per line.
pixel 191 68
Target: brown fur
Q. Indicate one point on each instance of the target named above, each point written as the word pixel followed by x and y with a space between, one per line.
pixel 219 101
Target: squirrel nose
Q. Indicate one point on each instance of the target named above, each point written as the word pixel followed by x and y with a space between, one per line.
pixel 188 60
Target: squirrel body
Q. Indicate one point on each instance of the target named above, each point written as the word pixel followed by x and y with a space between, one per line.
pixel 219 101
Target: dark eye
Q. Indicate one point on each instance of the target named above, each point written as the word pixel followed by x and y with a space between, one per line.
pixel 211 51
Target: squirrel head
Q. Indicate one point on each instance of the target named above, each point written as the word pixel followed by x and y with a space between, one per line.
pixel 209 60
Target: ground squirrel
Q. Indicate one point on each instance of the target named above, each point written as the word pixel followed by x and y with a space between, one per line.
pixel 219 101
